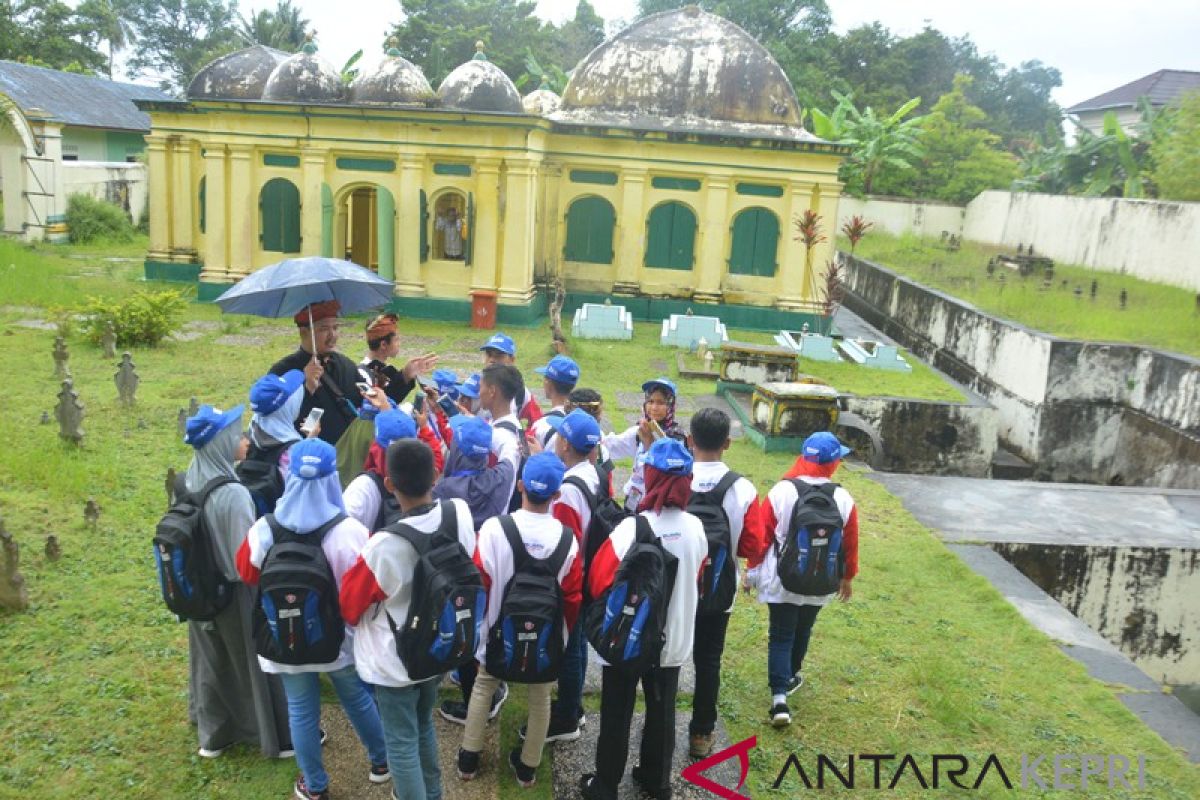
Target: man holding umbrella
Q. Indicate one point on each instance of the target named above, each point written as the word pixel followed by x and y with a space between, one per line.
pixel 329 376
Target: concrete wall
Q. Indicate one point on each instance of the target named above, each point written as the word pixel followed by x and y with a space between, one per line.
pixel 117 182
pixel 899 215
pixel 1080 411
pixel 1151 239
pixel 929 438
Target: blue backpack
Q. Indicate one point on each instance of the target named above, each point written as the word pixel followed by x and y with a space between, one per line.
pixel 811 560
pixel 627 623
pixel 526 643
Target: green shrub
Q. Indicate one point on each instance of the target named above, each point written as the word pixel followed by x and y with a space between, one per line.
pixel 143 223
pixel 90 219
pixel 144 318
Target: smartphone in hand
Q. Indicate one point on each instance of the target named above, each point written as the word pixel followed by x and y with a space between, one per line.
pixel 314 416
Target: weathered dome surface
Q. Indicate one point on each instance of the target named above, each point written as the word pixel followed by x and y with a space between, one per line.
pixel 305 78
pixel 479 85
pixel 397 81
pixel 236 76
pixel 688 71
pixel 541 102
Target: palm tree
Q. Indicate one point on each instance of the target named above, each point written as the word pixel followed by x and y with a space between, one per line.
pixel 877 142
pixel 284 28
pixel 110 21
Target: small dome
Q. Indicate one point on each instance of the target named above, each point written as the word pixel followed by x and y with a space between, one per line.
pixel 684 70
pixel 305 78
pixel 479 85
pixel 397 81
pixel 542 101
pixel 236 76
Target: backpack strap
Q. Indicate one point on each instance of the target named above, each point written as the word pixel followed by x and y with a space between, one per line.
pixel 521 556
pixel 588 495
pixel 724 485
pixel 519 432
pixel 559 556
pixel 280 534
pixel 643 532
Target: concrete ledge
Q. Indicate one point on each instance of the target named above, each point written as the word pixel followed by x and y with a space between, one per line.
pixel 208 292
pixel 172 272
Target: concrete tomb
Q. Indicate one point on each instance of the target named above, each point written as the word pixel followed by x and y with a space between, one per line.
pixel 686 330
pixel 602 321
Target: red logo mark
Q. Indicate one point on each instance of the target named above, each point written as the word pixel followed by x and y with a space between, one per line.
pixel 291 598
pixel 528 626
pixel 694 773
pixel 458 601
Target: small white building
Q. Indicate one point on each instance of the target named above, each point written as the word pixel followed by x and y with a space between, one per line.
pixel 64 134
pixel 1160 88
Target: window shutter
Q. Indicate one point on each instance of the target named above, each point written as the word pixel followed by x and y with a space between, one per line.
pixel 766 243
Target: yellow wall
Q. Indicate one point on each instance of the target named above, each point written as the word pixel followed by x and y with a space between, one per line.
pixel 519 185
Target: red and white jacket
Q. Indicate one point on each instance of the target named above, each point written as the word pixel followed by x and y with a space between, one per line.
pixel 777 518
pixel 571 508
pixel 682 535
pixel 341 547
pixel 741 504
pixel 382 580
pixel 494 557
pixel 529 412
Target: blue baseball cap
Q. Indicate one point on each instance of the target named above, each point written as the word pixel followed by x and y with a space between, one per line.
pixel 208 422
pixel 473 436
pixel 446 381
pixel 670 456
pixel 392 425
pixel 660 383
pixel 470 387
pixel 312 458
pixel 502 342
pixel 561 369
pixel 579 428
pixel 270 392
pixel 823 447
pixel 542 476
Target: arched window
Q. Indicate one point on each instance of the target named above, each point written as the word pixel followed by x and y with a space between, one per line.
pixel 279 207
pixel 670 236
pixel 755 243
pixel 590 222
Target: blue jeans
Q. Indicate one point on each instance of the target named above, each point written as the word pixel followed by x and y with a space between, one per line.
pixel 412 750
pixel 304 718
pixel 787 641
pixel 571 674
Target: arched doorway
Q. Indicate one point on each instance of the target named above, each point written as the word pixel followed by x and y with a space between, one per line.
pixel 365 227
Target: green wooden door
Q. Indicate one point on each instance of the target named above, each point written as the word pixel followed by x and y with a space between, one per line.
pixel 279 205
pixel 670 237
pixel 755 243
pixel 590 223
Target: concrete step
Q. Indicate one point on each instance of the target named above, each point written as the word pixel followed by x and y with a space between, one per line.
pixel 1008 466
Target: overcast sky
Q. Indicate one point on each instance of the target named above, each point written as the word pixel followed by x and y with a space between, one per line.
pixel 1097 44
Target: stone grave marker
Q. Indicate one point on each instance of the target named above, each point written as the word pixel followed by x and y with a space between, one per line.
pixel 193 407
pixel 91 513
pixel 61 356
pixel 596 321
pixel 1124 299
pixel 169 485
pixel 686 330
pixel 127 380
pixel 12 583
pixel 45 418
pixel 53 551
pixel 108 340
pixel 69 413
pixel 181 422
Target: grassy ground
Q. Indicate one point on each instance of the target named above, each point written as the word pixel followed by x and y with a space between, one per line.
pixel 928 658
pixel 1156 314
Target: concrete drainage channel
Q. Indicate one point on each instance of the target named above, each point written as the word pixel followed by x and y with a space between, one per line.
pixel 1110 574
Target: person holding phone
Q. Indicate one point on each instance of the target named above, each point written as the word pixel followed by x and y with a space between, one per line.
pixel 657 422
pixel 383 344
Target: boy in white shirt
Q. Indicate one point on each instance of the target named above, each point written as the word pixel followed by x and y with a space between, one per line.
pixel 559 378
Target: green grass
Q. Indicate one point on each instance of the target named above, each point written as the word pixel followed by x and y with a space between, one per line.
pixel 928 657
pixel 1157 315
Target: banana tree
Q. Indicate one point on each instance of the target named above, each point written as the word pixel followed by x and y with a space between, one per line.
pixel 878 143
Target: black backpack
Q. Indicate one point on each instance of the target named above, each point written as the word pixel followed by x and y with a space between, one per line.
pixel 389 508
pixel 555 414
pixel 718 578
pixel 811 560
pixel 606 514
pixel 526 643
pixel 260 473
pixel 297 619
pixel 514 502
pixel 446 613
pixel 626 624
pixel 193 586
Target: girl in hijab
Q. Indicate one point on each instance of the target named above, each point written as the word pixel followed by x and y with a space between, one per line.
pixel 275 401
pixel 366 498
pixel 312 499
pixel 658 417
pixel 232 700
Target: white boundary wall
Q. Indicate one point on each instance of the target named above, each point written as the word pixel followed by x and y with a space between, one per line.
pixel 114 181
pixel 898 215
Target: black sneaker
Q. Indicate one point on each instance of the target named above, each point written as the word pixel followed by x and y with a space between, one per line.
pixel 324 736
pixel 781 717
pixel 498 698
pixel 794 683
pixel 642 780
pixel 454 711
pixel 560 730
pixel 303 793
pixel 468 764
pixel 588 788
pixel 526 776
pixel 380 773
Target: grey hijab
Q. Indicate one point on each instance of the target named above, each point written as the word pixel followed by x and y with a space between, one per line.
pixel 229 511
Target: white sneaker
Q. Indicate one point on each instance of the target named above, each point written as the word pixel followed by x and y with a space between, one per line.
pixel 204 752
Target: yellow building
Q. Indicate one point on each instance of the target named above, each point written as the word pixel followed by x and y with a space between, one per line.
pixel 666 177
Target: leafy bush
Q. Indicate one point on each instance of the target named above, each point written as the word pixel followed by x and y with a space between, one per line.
pixel 90 219
pixel 144 318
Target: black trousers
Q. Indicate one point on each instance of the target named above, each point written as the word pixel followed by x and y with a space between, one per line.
pixel 706 656
pixel 618 695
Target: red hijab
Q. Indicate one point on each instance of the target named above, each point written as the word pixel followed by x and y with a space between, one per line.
pixel 376 460
pixel 808 469
pixel 665 490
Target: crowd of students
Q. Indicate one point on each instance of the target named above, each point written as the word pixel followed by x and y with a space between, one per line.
pixel 472 534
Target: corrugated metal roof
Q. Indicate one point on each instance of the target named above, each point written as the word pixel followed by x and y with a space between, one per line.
pixel 1161 87
pixel 77 99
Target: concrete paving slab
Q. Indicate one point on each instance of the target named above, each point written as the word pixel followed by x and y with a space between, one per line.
pixel 976 509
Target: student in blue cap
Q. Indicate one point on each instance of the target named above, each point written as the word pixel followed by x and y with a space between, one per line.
pixel 366 498
pixel 275 401
pixel 558 381
pixel 658 420
pixel 668 471
pixel 234 701
pixel 311 506
pixel 501 349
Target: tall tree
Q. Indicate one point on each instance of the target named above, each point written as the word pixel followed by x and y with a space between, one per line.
pixel 175 38
pixel 283 28
pixel 49 34
pixel 111 23
pixel 884 147
pixel 1176 151
pixel 574 39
